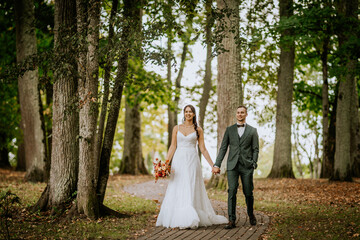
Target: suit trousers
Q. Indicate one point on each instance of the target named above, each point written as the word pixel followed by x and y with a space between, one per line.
pixel 246 176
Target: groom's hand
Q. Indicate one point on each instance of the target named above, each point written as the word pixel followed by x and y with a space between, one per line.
pixel 215 170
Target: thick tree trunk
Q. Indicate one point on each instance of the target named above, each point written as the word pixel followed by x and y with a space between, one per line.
pixel 129 7
pixel 87 201
pixel 133 161
pixel 65 149
pixel 28 91
pixel 342 165
pixel 229 83
pixel 327 166
pixel 355 136
pixel 345 132
pixel 282 164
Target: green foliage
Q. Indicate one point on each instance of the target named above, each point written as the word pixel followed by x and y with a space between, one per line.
pixel 9 107
pixel 146 86
pixel 308 97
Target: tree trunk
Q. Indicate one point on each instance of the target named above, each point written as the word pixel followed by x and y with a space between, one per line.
pixel 317 163
pixel 173 121
pixel 228 81
pixel 28 91
pixel 282 164
pixel 133 161
pixel 208 74
pixel 107 76
pixel 327 167
pixel 342 165
pixel 129 8
pixel 4 158
pixel 345 133
pixel 355 136
pixel 87 201
pixel 172 116
pixel 20 157
pixel 65 149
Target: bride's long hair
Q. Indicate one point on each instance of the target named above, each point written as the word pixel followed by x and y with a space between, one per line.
pixel 194 118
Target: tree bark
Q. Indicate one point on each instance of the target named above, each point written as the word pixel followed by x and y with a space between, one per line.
pixel 107 76
pixel 208 74
pixel 355 136
pixel 345 132
pixel 282 164
pixel 28 91
pixel 65 148
pixel 173 121
pixel 113 115
pixel 87 201
pixel 228 82
pixel 327 167
pixel 133 160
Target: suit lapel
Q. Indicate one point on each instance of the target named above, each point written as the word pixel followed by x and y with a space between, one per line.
pixel 246 133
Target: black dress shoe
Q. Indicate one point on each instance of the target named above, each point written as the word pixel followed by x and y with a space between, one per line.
pixel 230 225
pixel 252 220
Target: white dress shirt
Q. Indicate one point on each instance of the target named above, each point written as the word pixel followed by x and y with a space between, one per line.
pixel 241 130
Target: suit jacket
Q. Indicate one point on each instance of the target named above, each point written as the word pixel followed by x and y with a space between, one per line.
pixel 244 149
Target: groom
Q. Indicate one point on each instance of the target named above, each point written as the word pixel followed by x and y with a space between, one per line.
pixel 243 141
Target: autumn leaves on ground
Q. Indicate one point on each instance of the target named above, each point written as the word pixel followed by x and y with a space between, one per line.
pixel 299 209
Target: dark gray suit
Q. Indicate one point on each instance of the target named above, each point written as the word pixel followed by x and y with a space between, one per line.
pixel 242 161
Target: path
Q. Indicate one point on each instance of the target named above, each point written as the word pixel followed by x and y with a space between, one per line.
pixel 155 191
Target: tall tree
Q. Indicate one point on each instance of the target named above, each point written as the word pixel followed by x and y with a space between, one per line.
pixel 345 132
pixel 133 160
pixel 228 78
pixel 88 68
pixel 208 74
pixel 65 148
pixel 122 71
pixel 107 76
pixel 28 91
pixel 282 164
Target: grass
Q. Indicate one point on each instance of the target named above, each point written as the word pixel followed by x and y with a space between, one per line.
pixel 305 209
pixel 299 209
pixel 39 225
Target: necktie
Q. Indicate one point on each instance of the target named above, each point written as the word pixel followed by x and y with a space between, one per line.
pixel 240 125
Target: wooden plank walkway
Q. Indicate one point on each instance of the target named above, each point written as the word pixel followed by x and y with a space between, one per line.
pixel 155 191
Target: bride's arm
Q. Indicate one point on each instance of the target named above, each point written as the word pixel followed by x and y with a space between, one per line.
pixel 172 147
pixel 202 147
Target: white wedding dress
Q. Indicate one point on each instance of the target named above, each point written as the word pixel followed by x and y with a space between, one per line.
pixel 186 204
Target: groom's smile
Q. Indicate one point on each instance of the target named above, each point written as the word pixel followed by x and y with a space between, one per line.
pixel 241 115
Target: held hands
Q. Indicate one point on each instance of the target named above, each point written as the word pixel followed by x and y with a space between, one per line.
pixel 215 170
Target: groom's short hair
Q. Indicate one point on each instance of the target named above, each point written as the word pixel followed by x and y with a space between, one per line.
pixel 242 106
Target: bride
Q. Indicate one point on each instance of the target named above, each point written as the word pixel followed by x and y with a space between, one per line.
pixel 186 204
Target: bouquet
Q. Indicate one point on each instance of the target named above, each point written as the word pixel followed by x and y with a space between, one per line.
pixel 161 169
